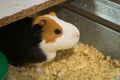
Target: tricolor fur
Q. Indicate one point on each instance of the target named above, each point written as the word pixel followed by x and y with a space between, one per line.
pixel 66 39
pixel 34 40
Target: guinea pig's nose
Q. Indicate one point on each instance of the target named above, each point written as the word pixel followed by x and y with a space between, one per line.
pixel 76 36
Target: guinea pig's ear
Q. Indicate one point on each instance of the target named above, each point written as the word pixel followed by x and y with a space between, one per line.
pixel 52 13
pixel 43 22
pixel 37 26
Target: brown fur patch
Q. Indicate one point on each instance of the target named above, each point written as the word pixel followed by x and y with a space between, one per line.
pixel 48 28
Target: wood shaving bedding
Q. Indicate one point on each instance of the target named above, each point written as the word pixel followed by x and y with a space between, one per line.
pixel 82 62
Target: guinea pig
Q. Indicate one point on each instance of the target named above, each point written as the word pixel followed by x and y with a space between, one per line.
pixel 35 40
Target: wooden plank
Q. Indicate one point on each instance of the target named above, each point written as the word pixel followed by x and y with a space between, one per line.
pixel 27 12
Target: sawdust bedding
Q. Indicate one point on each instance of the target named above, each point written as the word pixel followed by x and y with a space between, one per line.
pixel 82 62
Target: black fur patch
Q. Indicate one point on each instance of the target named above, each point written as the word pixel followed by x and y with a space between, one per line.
pixel 19 41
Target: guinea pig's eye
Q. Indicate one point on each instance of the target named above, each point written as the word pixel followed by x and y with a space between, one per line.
pixel 57 31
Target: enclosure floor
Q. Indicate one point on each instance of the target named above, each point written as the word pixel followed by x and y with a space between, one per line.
pixel 82 62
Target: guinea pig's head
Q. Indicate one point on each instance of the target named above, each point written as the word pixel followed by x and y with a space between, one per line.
pixel 56 33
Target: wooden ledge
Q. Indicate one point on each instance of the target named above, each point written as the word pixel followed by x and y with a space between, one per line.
pixel 27 12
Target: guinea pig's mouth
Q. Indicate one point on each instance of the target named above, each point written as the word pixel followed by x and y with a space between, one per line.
pixel 76 36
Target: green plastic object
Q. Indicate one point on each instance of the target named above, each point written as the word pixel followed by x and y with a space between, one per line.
pixel 3 67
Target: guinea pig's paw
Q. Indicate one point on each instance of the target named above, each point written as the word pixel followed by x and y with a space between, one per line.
pixel 38 70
